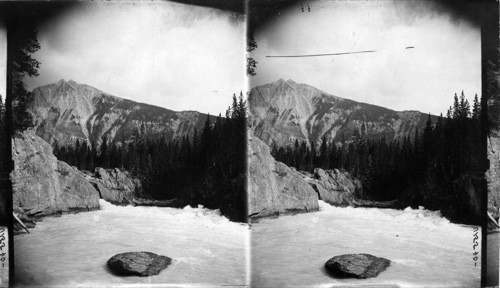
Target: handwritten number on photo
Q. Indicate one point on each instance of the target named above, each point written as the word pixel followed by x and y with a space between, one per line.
pixel 475 243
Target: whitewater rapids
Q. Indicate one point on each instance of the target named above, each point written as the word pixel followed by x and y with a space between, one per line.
pixel 426 250
pixel 72 250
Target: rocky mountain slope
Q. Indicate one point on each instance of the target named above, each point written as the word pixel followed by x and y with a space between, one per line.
pixel 283 111
pixel 66 111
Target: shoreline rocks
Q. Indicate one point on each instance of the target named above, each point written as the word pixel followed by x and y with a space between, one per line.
pixel 138 264
pixel 44 186
pixel 359 266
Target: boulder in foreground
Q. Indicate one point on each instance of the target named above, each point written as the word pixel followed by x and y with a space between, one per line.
pixel 360 266
pixel 138 264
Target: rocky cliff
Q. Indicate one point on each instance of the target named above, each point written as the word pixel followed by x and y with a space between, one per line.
pixel 42 185
pixel 273 187
pixel 66 111
pixel 493 144
pixel 283 111
pixel 116 185
pixel 493 175
pixel 337 188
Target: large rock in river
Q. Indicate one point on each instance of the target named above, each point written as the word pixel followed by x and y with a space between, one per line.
pixel 356 266
pixel 273 187
pixel 116 185
pixel 42 185
pixel 138 264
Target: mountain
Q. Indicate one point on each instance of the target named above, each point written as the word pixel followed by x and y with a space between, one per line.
pixel 284 111
pixel 65 111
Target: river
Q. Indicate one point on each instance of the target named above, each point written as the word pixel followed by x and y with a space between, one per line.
pixel 72 250
pixel 426 250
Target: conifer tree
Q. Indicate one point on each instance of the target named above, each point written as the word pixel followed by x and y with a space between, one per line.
pixel 323 153
pixel 476 109
pixel 428 169
pixel 22 64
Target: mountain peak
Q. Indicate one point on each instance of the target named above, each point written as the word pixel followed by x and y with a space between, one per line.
pixel 66 110
pixel 282 82
pixel 284 111
pixel 287 83
pixel 64 85
pixel 63 81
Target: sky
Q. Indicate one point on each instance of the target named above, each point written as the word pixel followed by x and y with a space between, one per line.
pixel 177 56
pixel 446 58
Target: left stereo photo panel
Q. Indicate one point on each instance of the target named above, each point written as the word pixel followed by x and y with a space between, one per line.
pixel 129 160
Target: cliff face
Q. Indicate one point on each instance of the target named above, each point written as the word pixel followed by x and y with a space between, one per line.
pixel 283 111
pixel 116 186
pixel 273 187
pixel 493 144
pixel 66 111
pixel 493 175
pixel 337 188
pixel 42 185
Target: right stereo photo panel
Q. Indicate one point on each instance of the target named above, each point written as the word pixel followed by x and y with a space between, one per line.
pixel 373 143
